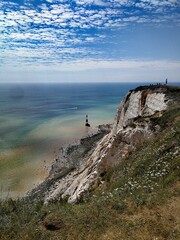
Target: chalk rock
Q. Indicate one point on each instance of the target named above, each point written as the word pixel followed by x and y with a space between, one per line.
pixel 132 126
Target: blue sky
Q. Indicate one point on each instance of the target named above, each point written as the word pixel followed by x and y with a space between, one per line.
pixel 89 40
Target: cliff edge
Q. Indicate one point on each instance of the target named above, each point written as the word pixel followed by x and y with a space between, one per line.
pixel 80 167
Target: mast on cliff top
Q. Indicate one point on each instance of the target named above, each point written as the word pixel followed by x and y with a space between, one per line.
pixel 87 123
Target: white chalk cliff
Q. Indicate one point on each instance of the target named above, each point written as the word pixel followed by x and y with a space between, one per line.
pixel 132 126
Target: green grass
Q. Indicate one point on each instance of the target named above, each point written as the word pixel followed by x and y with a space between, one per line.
pixel 138 200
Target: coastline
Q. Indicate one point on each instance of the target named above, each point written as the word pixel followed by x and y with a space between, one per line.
pixel 27 166
pixel 78 167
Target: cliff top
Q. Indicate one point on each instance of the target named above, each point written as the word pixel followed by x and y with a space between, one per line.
pixel 158 88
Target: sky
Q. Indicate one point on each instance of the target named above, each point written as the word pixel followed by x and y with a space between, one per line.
pixel 89 40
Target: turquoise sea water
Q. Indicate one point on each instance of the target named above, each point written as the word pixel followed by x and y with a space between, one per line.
pixel 35 119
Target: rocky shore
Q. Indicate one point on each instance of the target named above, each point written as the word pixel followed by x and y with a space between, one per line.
pixel 69 160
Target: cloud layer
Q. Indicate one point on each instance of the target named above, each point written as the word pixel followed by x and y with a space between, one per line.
pixel 46 33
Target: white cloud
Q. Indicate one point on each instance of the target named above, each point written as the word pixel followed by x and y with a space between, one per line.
pixel 93 70
pixel 90 39
pixel 100 3
pixel 94 64
pixel 123 64
pixel 161 2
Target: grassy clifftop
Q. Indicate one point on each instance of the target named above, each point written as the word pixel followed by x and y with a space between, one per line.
pixel 137 200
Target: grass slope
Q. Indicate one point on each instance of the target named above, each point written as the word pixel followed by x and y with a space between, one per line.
pixel 137 200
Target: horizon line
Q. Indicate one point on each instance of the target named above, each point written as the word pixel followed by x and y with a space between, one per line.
pixel 83 82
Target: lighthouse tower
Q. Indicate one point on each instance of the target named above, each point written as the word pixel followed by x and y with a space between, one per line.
pixel 87 123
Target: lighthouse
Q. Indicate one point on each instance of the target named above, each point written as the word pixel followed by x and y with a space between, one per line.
pixel 87 123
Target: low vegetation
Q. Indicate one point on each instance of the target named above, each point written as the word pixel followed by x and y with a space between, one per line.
pixel 137 200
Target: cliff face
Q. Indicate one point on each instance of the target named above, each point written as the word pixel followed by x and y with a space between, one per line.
pixel 132 126
pixel 140 103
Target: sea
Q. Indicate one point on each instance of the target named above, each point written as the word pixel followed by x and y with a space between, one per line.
pixel 37 119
